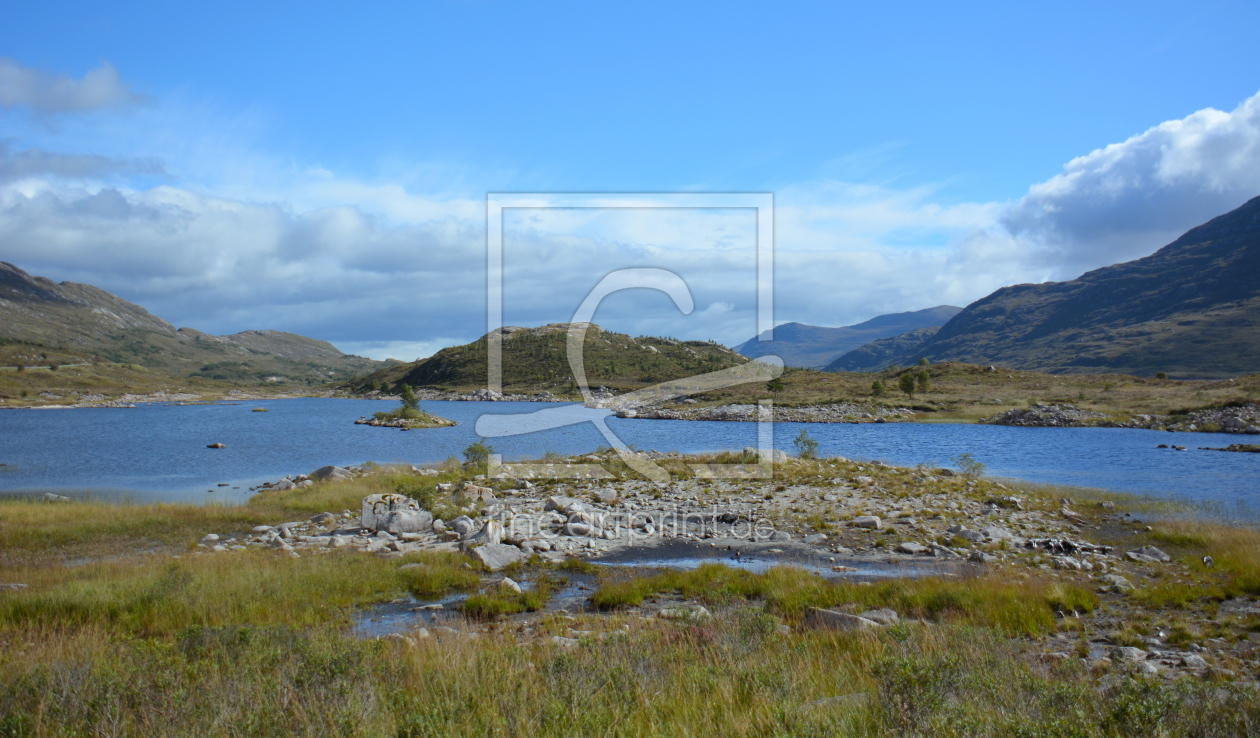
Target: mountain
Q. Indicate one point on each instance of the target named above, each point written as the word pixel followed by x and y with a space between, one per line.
pixel 44 321
pixel 1191 309
pixel 814 346
pixel 535 359
pixel 878 354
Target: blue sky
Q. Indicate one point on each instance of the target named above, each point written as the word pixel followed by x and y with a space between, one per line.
pixel 322 169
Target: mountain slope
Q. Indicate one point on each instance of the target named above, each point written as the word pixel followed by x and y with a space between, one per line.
pixel 815 346
pixel 535 359
pixel 880 353
pixel 41 321
pixel 1191 309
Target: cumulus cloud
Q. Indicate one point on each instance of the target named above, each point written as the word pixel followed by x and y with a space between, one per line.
pixel 1124 200
pixel 384 270
pixel 48 93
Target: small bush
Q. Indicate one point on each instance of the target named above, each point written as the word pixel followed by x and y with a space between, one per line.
pixel 805 445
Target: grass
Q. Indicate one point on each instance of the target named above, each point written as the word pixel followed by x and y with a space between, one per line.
pixel 1022 608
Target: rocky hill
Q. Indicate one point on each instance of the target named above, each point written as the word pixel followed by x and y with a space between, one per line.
pixel 44 322
pixel 534 359
pixel 814 347
pixel 882 353
pixel 1191 309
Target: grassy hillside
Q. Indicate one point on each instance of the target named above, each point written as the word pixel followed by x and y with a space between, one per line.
pixel 814 346
pixel 534 360
pixel 43 323
pixel 1191 309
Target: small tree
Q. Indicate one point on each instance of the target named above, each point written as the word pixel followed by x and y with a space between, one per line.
pixel 878 389
pixel 968 465
pixel 21 367
pixel 906 383
pixel 924 361
pixel 775 385
pixel 409 401
pixel 477 454
pixel 806 447
pixel 924 380
pixel 1161 375
pixel 52 367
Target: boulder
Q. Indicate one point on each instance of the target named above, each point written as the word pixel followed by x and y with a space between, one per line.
pixel 324 519
pixel 997 533
pixel 868 521
pixel 911 548
pixel 395 513
pixel 474 493
pixel 698 612
pixel 50 497
pixel 883 616
pixel 566 505
pixel 330 473
pixel 462 525
pixel 508 584
pixel 833 620
pixel 815 538
pixel 496 556
pixel 980 557
pixel 1127 654
pixel 1148 554
pixel 1116 583
pixel 1194 661
pixel 491 532
pixel 284 485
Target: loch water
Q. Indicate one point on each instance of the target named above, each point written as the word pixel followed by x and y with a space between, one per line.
pixel 158 452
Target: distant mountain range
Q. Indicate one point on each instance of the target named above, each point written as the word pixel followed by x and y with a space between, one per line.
pixel 1191 309
pixel 535 359
pixel 41 319
pixel 815 346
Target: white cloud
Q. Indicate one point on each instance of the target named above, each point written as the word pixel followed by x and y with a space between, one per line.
pixel 44 92
pixel 1124 200
pixel 384 269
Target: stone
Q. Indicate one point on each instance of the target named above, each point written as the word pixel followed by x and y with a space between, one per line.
pixel 883 616
pixel 996 533
pixel 911 548
pixel 815 538
pixel 819 618
pixel 868 521
pixel 210 539
pixel 330 473
pixel 565 642
pixel 567 505
pixel 474 493
pixel 1194 661
pixel 324 519
pixel 508 584
pixel 980 557
pixel 50 497
pixel 284 485
pixel 491 532
pixel 12 587
pixel 260 529
pixel 781 536
pixel 580 529
pixel 216 445
pixel 699 612
pixel 496 556
pixel 606 495
pixel 1148 554
pixel 1116 583
pixel 394 513
pixel 1127 654
pixel 942 552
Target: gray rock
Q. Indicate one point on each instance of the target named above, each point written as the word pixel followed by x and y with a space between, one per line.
pixel 567 505
pixel 1116 583
pixel 1127 654
pixel 883 616
pixel 980 557
pixel 473 493
pixel 324 519
pixel 50 497
pixel 974 536
pixel 911 548
pixel 491 532
pixel 496 556
pixel 868 521
pixel 260 529
pixel 780 536
pixel 1193 661
pixel 997 533
pixel 580 529
pixel 330 474
pixel 815 538
pixel 565 642
pixel 403 514
pixel 942 552
pixel 832 620
pixel 508 584
pixel 698 612
pixel 210 539
pixel 1148 554
pixel 12 587
pixel 462 525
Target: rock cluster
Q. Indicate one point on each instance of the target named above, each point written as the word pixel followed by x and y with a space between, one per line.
pixel 1055 416
pixel 840 412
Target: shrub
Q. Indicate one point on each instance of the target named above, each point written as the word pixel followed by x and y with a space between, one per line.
pixel 775 385
pixel 477 453
pixel 1161 375
pixel 409 400
pixel 924 361
pixel 806 446
pixel 924 380
pixel 878 389
pixel 969 466
pixel 906 383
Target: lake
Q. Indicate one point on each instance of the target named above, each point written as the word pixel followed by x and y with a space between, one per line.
pixel 158 452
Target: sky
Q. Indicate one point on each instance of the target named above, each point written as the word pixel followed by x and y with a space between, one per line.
pixel 323 169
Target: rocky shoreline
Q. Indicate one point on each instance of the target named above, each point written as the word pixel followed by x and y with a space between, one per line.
pixel 836 518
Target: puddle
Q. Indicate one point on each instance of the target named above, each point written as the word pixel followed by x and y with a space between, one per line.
pixel 573 596
pixel 760 558
pixel 386 618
